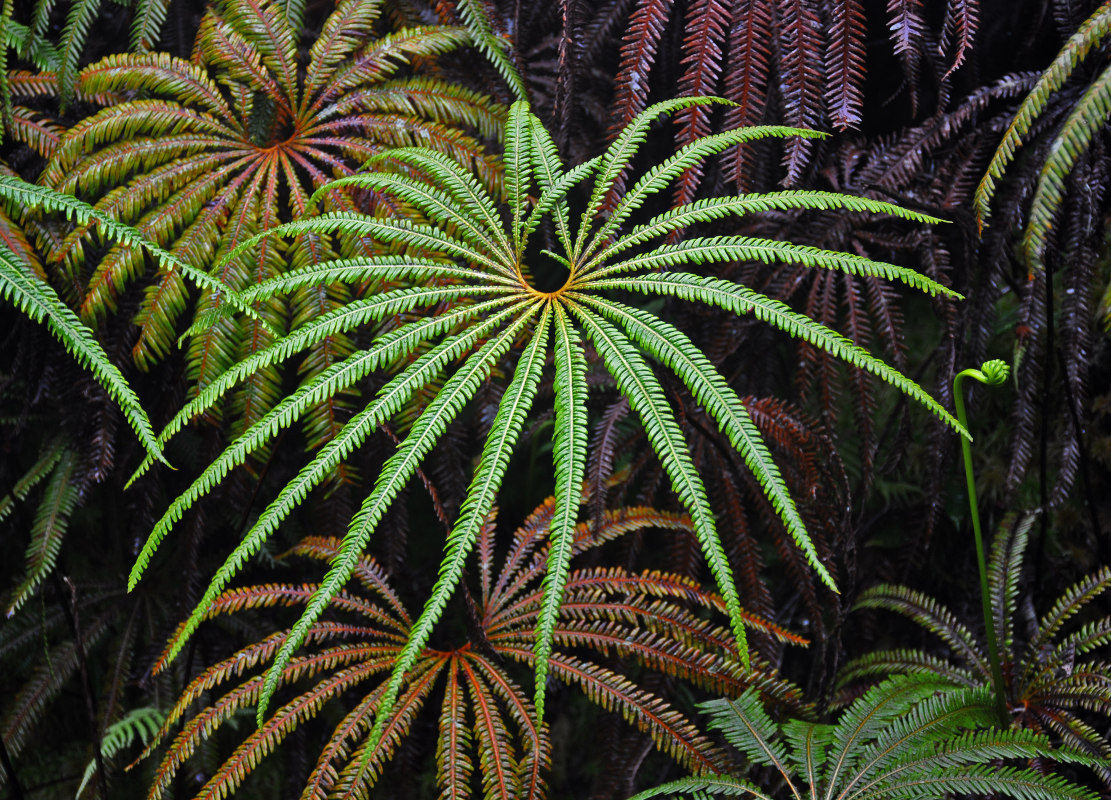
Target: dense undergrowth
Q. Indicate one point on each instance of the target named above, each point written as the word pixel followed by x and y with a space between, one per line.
pixel 475 398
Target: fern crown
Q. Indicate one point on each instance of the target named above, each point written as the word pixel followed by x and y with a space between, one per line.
pixel 465 262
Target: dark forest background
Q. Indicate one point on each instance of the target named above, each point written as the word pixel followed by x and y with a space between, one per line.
pixel 105 100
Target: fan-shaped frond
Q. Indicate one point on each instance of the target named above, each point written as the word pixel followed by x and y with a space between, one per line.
pixel 476 281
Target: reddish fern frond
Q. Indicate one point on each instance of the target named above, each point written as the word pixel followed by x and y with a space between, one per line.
pixel 962 20
pixel 747 76
pixel 367 572
pixel 800 45
pixel 845 64
pixel 488 735
pixel 705 25
pixel 496 754
pixel 453 745
pixel 638 54
pixel 905 24
pixel 235 141
pixel 669 729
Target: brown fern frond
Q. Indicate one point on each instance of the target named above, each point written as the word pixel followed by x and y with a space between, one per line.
pixel 487 734
pixel 801 46
pixel 706 24
pixel 962 20
pixel 638 54
pixel 845 64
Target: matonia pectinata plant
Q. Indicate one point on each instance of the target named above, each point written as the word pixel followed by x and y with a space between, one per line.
pixel 469 262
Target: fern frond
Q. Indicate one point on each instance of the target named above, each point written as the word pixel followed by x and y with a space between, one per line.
pixel 74 34
pixel 767 251
pixel 1089 116
pixel 493 46
pixel 746 725
pixel 38 300
pixel 481 493
pixel 618 155
pixel 1069 604
pixel 726 785
pixel 709 388
pixel 635 380
pixel 51 521
pixel 714 208
pixel 741 300
pixel 660 176
pixel 931 615
pixel 386 403
pixel 1004 571
pixel 569 455
pixel 398 469
pixel 454 741
pixel 138 724
pixel 518 161
pixel 1089 35
pixel 460 185
pixel 146 23
pixel 396 344
pixel 44 466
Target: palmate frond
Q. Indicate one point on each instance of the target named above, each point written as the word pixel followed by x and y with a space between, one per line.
pixel 457 232
pixel 489 735
pixel 201 155
pixel 1051 688
pixel 907 737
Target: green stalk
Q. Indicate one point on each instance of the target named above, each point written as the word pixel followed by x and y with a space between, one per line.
pixel 990 374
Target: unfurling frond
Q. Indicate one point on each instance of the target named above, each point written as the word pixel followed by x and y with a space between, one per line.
pixel 1050 686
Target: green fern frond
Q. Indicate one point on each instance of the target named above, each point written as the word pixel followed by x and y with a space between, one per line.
pixel 928 613
pixel 660 176
pixel 702 786
pixel 1090 115
pixel 742 300
pixel 461 186
pixel 709 388
pixel 620 152
pixel 138 724
pixel 746 725
pixel 494 47
pixel 569 455
pixel 1069 604
pixel 881 663
pixel 715 208
pixel 38 300
pixel 481 494
pixel 1004 571
pixel 79 20
pixel 387 402
pixel 1089 35
pixel 635 380
pixel 146 23
pixel 51 521
pixel 721 248
pixel 38 472
pixel 397 471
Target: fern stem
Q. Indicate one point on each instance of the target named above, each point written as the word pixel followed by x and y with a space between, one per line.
pixel 991 373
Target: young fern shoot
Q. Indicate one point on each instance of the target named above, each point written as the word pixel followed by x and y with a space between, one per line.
pixel 457 248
